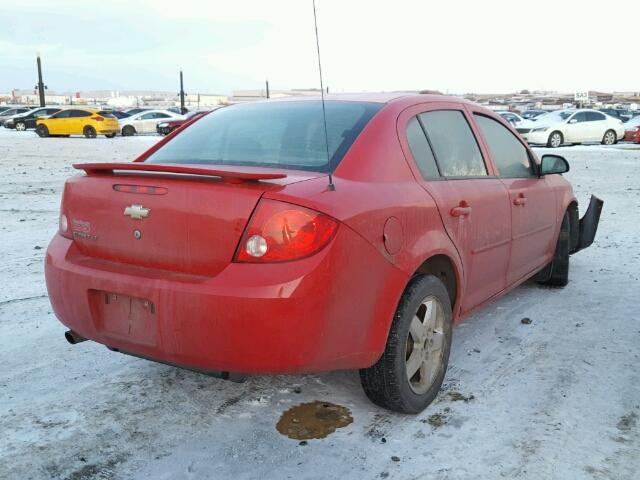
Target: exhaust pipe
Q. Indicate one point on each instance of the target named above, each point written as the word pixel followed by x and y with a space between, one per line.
pixel 73 338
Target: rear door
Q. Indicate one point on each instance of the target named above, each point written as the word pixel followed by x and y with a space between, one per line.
pixel 147 122
pixel 597 124
pixel 532 201
pixel 473 204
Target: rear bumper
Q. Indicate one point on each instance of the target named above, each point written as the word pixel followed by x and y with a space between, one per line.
pixel 327 312
pixel 632 137
pixel 589 224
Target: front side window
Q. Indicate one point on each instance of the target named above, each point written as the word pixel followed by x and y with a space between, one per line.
pixel 595 117
pixel 579 117
pixel 454 145
pixel 509 155
pixel 148 116
pixel 62 114
pixel 280 134
pixel 421 150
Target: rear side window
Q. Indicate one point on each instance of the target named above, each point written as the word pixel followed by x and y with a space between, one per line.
pixel 509 155
pixel 286 134
pixel 421 150
pixel 454 145
pixel 107 114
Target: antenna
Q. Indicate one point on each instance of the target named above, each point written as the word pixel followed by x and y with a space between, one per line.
pixel 324 112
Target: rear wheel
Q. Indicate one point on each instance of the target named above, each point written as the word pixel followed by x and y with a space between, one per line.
pixel 555 140
pixel 42 131
pixel 556 274
pixel 128 131
pixel 609 137
pixel 21 126
pixel 409 374
pixel 89 132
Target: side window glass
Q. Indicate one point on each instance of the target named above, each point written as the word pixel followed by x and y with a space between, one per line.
pixel 580 117
pixel 162 115
pixel 509 155
pixel 594 117
pixel 147 116
pixel 421 150
pixel 454 146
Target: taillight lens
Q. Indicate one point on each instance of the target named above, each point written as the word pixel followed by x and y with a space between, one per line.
pixel 63 226
pixel 98 119
pixel 279 232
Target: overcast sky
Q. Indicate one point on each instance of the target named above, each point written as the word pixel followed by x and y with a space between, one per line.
pixel 449 45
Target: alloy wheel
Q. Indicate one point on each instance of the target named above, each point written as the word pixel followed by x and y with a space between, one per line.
pixel 609 138
pixel 425 345
pixel 21 127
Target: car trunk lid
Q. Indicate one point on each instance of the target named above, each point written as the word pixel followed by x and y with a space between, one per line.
pixel 182 218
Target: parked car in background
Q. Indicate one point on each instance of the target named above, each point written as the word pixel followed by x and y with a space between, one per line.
pixel 531 114
pixel 632 130
pixel 177 110
pixel 572 126
pixel 279 267
pixel 4 108
pixel 511 117
pixel 9 113
pixel 78 121
pixel 24 121
pixel 120 115
pixel 146 122
pixel 617 113
pixel 133 111
pixel 166 127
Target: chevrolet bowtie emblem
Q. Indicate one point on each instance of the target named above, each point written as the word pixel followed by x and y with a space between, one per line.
pixel 137 212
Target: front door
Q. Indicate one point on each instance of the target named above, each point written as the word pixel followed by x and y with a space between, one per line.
pixel 577 130
pixel 532 201
pixel 473 205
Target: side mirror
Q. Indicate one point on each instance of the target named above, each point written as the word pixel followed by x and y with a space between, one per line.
pixel 573 120
pixel 551 164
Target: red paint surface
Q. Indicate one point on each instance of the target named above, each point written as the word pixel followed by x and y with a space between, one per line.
pixel 330 310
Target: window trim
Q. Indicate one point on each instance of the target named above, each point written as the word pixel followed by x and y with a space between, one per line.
pixel 532 163
pixel 464 116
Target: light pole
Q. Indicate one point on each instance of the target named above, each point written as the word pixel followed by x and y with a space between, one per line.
pixel 40 86
pixel 182 109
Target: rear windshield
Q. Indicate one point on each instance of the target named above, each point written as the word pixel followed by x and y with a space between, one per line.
pixel 285 134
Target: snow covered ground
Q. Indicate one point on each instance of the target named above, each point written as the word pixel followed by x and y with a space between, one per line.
pixel 558 398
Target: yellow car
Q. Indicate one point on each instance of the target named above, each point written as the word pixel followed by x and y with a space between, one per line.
pixel 78 121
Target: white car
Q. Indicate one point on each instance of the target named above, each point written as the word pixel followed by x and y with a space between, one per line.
pixel 572 126
pixel 145 122
pixel 511 117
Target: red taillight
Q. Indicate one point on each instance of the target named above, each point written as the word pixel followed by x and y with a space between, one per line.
pixel 279 232
pixel 140 189
pixel 97 118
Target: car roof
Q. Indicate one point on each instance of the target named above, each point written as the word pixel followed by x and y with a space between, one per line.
pixel 406 98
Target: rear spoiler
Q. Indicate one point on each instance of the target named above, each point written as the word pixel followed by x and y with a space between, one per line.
pixel 232 175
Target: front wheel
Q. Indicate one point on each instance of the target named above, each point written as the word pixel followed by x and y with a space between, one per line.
pixel 42 131
pixel 128 131
pixel 555 140
pixel 110 135
pixel 609 137
pixel 21 126
pixel 409 374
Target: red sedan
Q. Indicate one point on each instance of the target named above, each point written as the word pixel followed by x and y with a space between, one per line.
pixel 165 128
pixel 261 240
pixel 632 130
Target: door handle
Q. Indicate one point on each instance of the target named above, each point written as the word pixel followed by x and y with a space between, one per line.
pixel 520 200
pixel 462 210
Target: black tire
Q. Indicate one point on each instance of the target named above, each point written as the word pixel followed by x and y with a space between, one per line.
pixel 110 135
pixel 556 274
pixel 128 131
pixel 609 138
pixel 21 126
pixel 386 383
pixel 42 131
pixel 555 139
pixel 89 132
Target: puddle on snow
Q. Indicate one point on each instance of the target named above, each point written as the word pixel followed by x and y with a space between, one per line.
pixel 313 420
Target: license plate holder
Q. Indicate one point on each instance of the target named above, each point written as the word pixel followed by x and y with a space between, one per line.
pixel 125 317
